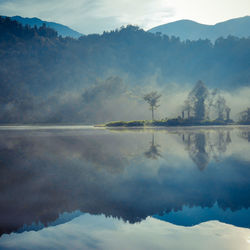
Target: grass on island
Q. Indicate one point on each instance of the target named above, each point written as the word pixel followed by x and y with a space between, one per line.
pixel 167 122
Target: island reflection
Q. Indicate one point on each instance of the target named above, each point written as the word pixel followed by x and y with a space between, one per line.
pixel 116 173
pixel 202 146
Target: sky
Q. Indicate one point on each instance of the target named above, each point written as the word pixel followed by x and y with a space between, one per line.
pixel 95 16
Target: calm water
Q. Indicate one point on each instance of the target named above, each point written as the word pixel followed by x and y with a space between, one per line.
pixel 87 188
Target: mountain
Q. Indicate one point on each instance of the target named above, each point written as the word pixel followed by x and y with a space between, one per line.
pixel 187 29
pixel 62 30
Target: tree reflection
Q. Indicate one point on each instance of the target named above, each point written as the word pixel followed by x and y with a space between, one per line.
pixel 245 135
pixel 204 146
pixel 218 145
pixel 196 146
pixel 153 152
pixel 43 176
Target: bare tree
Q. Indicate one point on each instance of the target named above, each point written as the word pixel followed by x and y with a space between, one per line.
pixel 152 99
pixel 228 110
pixel 187 109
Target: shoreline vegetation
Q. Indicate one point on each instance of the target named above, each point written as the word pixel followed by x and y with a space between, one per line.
pixel 169 123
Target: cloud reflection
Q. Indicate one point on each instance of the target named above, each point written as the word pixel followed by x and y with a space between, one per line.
pixel 45 173
pixel 98 232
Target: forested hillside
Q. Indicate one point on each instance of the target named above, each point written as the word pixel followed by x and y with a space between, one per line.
pixel 62 30
pixel 45 78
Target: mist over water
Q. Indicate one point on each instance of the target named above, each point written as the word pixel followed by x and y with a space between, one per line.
pixel 114 100
pixel 125 174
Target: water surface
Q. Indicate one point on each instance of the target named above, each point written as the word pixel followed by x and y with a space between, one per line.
pixel 67 187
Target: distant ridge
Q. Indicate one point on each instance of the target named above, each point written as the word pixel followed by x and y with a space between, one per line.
pixel 187 29
pixel 61 29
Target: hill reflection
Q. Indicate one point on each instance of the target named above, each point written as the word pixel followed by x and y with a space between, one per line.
pixel 46 173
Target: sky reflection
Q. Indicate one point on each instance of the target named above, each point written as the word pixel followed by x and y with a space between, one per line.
pixel 98 232
pixel 201 174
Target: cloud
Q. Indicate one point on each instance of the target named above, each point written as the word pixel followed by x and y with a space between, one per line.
pixel 89 16
pixel 95 16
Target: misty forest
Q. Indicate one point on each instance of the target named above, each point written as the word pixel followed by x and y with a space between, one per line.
pixel 136 137
pixel 47 78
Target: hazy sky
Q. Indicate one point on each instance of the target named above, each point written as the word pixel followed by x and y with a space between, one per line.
pixel 91 16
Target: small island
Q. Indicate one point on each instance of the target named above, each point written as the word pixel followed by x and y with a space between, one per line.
pixel 200 105
pixel 168 122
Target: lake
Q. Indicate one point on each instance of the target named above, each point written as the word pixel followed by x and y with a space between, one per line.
pixel 80 187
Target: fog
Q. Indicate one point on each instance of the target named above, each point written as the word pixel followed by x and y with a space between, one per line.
pixel 112 100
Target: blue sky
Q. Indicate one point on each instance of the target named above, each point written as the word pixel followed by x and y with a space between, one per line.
pixel 95 16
